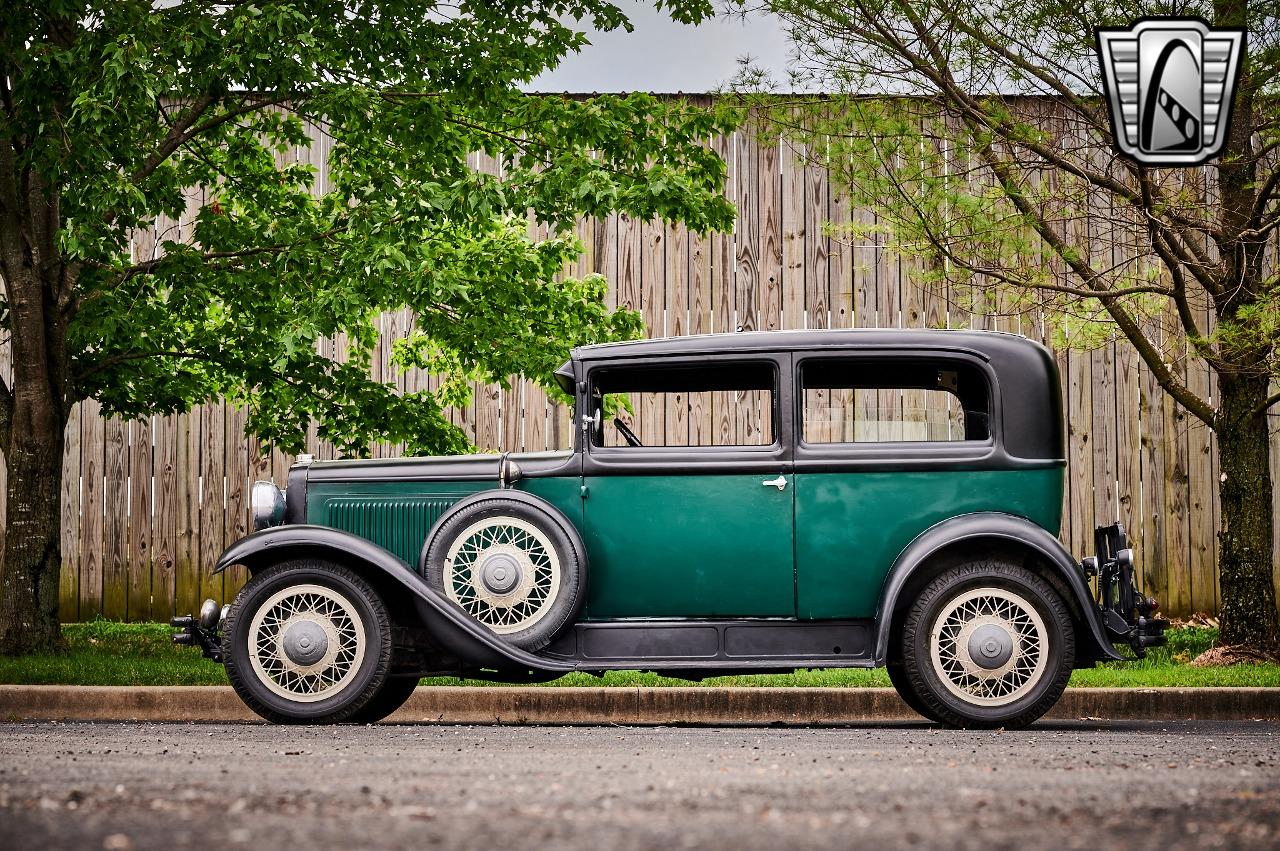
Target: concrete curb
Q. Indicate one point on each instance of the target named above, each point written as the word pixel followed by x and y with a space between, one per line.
pixel 630 706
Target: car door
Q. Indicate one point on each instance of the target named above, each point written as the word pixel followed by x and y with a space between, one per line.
pixel 696 520
pixel 888 443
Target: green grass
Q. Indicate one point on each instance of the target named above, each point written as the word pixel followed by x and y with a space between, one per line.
pixel 110 653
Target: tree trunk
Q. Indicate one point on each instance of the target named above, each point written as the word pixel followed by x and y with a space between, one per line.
pixel 37 420
pixel 34 423
pixel 33 532
pixel 1248 611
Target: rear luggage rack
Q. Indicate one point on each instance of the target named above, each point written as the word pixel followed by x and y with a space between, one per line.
pixel 1127 615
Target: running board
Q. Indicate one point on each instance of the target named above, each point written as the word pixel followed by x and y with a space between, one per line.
pixel 716 645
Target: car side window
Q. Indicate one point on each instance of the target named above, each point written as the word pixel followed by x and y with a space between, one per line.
pixel 881 400
pixel 661 405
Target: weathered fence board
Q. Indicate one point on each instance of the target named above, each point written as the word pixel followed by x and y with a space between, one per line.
pixel 148 506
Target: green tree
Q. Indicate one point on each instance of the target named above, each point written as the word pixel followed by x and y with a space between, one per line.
pixel 118 115
pixel 1027 194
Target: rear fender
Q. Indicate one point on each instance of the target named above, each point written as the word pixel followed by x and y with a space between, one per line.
pixel 998 526
pixel 444 620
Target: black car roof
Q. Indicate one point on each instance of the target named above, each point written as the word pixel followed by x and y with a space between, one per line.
pixel 1031 407
pixel 980 342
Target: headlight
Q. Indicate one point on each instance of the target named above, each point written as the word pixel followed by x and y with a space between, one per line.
pixel 267 504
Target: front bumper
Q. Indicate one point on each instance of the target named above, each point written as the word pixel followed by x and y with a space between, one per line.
pixel 1128 616
pixel 202 631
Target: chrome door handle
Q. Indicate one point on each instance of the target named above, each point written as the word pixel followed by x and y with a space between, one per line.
pixel 780 483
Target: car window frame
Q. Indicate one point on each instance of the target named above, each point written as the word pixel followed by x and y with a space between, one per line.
pixel 901 455
pixel 774 457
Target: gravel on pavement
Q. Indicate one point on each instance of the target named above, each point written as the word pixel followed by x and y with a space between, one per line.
pixel 1112 785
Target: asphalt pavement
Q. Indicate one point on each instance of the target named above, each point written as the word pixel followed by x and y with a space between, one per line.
pixel 1121 785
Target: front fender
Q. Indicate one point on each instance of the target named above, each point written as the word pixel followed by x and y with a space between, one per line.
pixel 986 525
pixel 447 623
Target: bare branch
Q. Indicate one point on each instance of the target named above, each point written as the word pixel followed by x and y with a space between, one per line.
pixel 1008 278
pixel 1180 245
pixel 935 67
pixel 1266 405
pixel 1146 350
pixel 1266 193
pixel 1195 336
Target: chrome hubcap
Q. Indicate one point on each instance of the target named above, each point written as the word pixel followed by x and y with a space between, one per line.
pixel 500 573
pixel 989 646
pixel 304 642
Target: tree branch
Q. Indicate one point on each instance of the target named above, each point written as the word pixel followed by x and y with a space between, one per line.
pixel 1262 409
pixel 147 266
pixel 1194 335
pixel 1163 375
pixel 177 134
pixel 977 121
pixel 1266 193
pixel 207 357
pixel 1053 82
pixel 1181 245
pixel 936 69
pixel 184 129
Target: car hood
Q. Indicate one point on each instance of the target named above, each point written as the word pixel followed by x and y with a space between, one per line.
pixel 456 468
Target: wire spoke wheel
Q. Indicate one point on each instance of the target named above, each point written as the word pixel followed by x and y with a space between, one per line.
pixel 306 643
pixel 989 646
pixel 504 571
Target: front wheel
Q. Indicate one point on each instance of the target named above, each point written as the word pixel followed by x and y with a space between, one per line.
pixel 307 642
pixel 988 644
pixel 394 694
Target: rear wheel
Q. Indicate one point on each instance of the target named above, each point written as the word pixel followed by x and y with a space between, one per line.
pixel 307 642
pixel 902 684
pixel 987 644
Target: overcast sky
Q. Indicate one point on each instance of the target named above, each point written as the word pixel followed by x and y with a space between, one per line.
pixel 664 56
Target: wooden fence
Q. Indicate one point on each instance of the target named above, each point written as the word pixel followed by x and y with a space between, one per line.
pixel 148 505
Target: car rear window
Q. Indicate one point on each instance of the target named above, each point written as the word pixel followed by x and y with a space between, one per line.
pixel 873 400
pixel 723 404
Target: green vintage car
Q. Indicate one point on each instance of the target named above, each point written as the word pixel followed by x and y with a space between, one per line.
pixel 751 502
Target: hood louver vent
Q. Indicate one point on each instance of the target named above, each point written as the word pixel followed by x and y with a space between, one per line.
pixel 400 525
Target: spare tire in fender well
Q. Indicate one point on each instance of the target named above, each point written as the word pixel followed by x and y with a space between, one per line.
pixel 554 513
pixel 547 545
